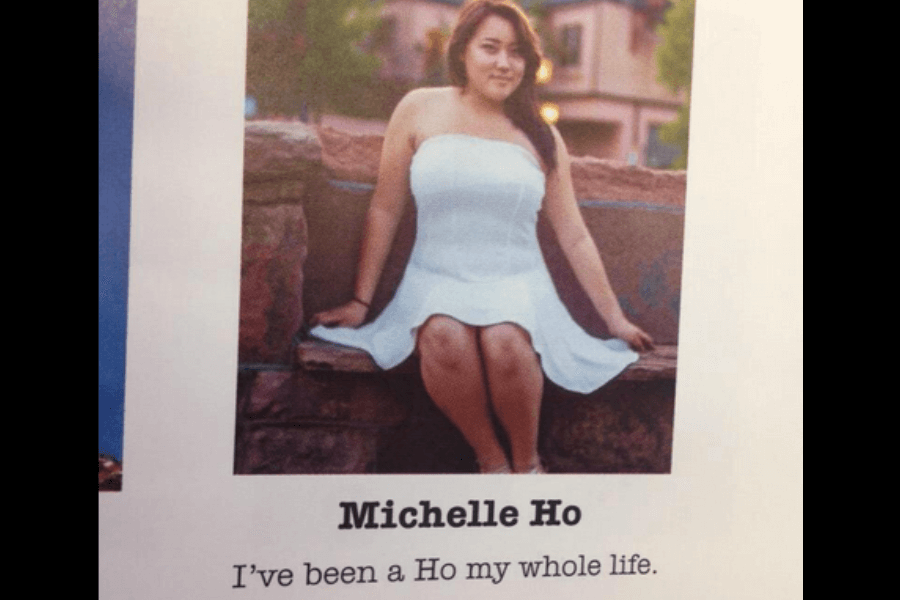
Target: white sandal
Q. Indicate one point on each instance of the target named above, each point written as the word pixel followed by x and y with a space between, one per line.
pixel 499 469
pixel 535 469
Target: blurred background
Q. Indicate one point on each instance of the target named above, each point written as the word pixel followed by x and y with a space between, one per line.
pixel 616 79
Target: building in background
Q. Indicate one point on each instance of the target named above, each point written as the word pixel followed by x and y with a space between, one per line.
pixel 604 74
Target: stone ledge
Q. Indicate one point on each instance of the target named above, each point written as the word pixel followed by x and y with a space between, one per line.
pixel 279 149
pixel 314 355
pixel 351 157
pixel 601 179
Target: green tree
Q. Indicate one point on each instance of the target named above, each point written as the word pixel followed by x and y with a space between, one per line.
pixel 674 58
pixel 539 13
pixel 311 52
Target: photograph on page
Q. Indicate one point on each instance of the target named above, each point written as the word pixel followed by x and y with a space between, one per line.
pixel 462 235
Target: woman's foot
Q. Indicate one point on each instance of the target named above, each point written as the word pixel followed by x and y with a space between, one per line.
pixel 533 468
pixel 500 468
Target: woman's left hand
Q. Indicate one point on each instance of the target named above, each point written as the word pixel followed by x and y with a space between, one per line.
pixel 636 337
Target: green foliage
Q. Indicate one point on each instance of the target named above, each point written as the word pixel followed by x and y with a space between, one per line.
pixel 540 18
pixel 310 51
pixel 676 133
pixel 674 58
pixel 334 66
pixel 675 55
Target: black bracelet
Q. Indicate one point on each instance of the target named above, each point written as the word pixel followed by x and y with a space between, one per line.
pixel 355 299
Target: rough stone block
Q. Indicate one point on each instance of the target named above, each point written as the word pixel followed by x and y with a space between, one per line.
pixel 308 451
pixel 624 427
pixel 598 179
pixel 350 157
pixel 276 191
pixel 274 247
pixel 642 254
pixel 336 216
pixel 280 150
pixel 297 422
pixel 303 397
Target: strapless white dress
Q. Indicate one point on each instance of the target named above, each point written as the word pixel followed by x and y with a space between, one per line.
pixel 477 259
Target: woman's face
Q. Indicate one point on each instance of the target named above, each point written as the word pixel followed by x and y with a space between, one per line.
pixel 494 62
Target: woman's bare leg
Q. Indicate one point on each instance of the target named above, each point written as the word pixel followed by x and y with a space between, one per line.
pixel 516 385
pixel 454 378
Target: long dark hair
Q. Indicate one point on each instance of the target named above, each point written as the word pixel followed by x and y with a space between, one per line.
pixel 521 106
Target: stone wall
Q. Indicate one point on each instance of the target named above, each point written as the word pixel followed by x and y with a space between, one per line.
pixel 306 191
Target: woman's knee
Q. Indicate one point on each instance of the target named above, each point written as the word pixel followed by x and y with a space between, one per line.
pixel 507 349
pixel 445 340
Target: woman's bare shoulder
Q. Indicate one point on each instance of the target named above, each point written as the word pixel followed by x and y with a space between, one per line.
pixel 562 153
pixel 428 95
pixel 557 137
pixel 422 103
pixel 423 110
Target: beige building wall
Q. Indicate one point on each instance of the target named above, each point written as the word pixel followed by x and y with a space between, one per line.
pixel 627 66
pixel 579 78
pixel 411 22
pixel 609 101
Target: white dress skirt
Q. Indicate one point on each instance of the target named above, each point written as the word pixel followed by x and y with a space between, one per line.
pixel 476 258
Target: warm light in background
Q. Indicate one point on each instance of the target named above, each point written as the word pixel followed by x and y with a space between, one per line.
pixel 545 71
pixel 550 112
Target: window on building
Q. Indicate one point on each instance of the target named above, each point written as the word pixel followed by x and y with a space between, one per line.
pixel 570 45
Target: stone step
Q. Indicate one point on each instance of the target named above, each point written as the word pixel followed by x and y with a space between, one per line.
pixel 315 355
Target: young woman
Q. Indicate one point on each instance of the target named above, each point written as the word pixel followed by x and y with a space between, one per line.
pixel 476 301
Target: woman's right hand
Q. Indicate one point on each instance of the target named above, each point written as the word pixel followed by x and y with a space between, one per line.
pixel 351 314
pixel 637 338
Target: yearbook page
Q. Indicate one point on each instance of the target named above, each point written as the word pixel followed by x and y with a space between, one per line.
pixel 259 460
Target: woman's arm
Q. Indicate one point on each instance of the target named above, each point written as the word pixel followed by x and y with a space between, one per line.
pixel 581 251
pixel 383 215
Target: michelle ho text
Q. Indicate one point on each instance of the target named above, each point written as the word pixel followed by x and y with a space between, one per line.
pixel 474 513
